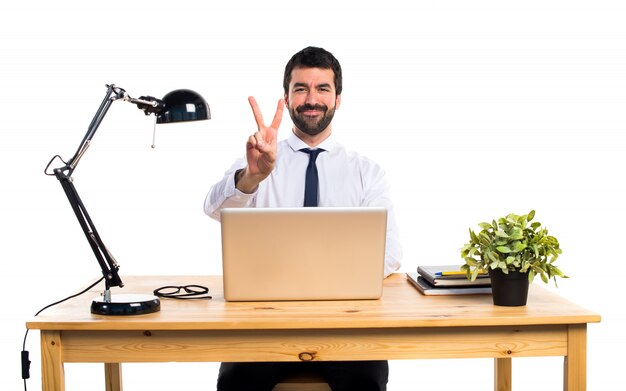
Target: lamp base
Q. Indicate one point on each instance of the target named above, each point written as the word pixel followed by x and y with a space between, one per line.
pixel 126 305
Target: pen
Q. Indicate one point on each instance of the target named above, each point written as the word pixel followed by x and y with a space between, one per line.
pixel 450 273
pixel 455 273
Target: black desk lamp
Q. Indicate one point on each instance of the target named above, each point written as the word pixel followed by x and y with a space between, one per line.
pixel 177 106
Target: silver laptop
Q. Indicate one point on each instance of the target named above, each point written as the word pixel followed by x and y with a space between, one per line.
pixel 303 253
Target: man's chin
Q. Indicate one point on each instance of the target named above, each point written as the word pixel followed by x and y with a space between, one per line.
pixel 311 129
pixel 311 126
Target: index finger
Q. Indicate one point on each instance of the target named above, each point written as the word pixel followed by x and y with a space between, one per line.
pixel 258 117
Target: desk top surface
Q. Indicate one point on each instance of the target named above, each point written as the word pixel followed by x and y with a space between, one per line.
pixel 401 306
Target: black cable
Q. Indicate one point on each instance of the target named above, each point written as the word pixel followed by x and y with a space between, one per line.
pixel 25 361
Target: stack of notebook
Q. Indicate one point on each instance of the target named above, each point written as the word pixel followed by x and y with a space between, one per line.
pixel 448 280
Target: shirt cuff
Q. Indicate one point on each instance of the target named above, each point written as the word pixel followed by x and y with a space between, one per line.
pixel 236 197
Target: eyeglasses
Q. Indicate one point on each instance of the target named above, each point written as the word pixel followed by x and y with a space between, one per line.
pixel 176 292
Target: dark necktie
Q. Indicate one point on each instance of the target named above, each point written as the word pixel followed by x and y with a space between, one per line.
pixel 312 182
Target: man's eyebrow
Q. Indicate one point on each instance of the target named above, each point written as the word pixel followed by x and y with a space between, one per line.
pixel 322 85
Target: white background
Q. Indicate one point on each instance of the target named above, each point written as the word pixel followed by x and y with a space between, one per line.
pixel 475 108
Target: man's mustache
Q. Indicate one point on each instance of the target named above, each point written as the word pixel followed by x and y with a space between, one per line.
pixel 306 107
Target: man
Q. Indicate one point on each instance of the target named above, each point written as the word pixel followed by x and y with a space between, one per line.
pixel 273 175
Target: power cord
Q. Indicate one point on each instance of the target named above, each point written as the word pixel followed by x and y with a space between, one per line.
pixel 25 359
pixel 172 292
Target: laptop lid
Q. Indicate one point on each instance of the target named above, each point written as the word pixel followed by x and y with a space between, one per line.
pixel 303 253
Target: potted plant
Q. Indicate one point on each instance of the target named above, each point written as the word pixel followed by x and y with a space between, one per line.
pixel 513 250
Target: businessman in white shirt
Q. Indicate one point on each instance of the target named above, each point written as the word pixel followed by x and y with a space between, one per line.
pixel 273 175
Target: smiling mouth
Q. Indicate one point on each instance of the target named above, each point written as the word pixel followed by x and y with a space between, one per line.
pixel 312 113
pixel 311 110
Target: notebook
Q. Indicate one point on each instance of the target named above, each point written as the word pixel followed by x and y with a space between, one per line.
pixel 317 253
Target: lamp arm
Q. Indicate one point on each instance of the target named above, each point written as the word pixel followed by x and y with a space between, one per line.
pixel 113 93
pixel 107 263
pixel 64 174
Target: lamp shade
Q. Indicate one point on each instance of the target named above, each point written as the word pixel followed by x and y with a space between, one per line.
pixel 183 105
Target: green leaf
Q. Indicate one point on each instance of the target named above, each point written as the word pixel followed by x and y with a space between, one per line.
pixel 501 234
pixel 557 272
pixel 518 246
pixel 503 249
pixel 492 257
pixel 473 236
pixel 484 239
pixel 516 233
pixel 485 225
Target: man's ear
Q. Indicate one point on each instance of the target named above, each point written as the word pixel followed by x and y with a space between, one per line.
pixel 286 99
pixel 337 101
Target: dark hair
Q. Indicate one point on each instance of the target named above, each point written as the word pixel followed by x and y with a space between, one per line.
pixel 313 57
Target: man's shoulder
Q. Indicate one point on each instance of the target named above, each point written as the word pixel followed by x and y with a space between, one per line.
pixel 358 159
pixel 354 154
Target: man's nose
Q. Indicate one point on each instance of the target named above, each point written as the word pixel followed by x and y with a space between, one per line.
pixel 311 98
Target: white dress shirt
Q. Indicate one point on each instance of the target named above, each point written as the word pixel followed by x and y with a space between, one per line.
pixel 345 179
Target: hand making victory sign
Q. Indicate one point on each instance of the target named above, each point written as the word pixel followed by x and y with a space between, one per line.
pixel 260 149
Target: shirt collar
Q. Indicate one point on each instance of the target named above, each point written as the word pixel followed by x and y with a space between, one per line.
pixel 296 144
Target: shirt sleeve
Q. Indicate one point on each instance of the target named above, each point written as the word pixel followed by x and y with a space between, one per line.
pixel 378 193
pixel 224 194
pixel 393 248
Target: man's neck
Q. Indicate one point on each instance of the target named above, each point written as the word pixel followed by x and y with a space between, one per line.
pixel 312 141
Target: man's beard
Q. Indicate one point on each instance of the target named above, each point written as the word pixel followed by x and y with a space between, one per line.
pixel 311 126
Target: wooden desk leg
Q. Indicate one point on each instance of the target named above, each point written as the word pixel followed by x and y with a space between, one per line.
pixel 575 368
pixel 52 372
pixel 502 374
pixel 113 376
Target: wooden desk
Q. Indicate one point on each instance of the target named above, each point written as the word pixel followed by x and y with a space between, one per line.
pixel 402 325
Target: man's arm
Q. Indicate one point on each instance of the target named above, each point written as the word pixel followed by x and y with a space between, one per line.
pixel 241 181
pixel 378 193
pixel 224 194
pixel 260 150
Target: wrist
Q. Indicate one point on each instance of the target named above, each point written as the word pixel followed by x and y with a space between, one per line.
pixel 244 182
